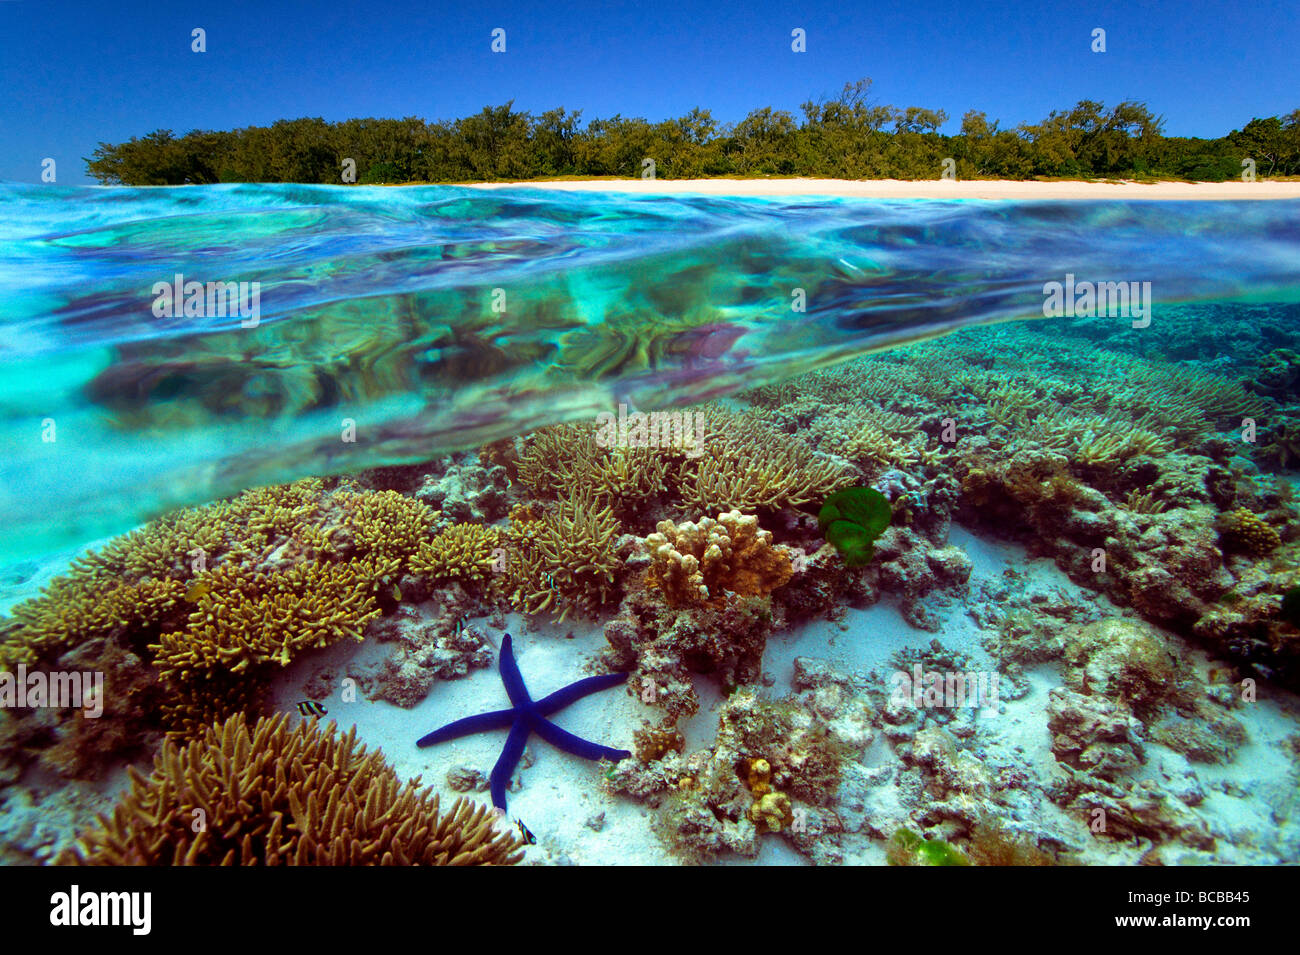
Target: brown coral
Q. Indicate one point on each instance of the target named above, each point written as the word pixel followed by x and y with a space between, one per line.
pixel 245 619
pixel 695 562
pixel 565 561
pixel 271 795
pixel 1247 532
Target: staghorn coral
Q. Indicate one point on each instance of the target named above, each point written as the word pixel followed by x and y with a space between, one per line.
pixel 558 458
pixel 1185 398
pixel 748 464
pixel 271 795
pixel 384 523
pixel 245 619
pixel 464 552
pixel 564 561
pixel 695 562
pixel 73 610
pixel 140 583
pixel 565 458
pixel 630 475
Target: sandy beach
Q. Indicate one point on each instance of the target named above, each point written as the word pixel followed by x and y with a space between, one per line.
pixel 929 189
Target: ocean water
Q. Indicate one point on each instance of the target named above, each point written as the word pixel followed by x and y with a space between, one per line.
pixel 372 327
pixel 439 318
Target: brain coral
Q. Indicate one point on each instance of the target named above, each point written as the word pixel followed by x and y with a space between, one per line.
pixel 271 795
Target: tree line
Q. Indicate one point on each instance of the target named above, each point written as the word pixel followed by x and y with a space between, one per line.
pixel 848 136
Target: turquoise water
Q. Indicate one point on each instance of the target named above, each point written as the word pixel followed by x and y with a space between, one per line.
pixel 395 324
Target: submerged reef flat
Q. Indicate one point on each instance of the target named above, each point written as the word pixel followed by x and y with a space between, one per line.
pixel 1076 641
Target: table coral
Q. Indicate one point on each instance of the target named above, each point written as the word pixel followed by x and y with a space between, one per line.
pixel 269 794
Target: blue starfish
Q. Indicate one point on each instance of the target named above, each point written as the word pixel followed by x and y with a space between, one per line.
pixel 526 717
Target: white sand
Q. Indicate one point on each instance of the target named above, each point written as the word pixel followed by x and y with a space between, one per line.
pixel 931 189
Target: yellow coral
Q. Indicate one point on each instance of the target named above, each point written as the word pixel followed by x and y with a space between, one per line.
pixel 759 776
pixel 1249 532
pixel 463 552
pixel 383 522
pixel 694 562
pixel 246 619
pixel 140 582
pixel 748 464
pixel 771 812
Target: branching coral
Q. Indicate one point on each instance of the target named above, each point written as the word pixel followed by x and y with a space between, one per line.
pixel 564 458
pixel 564 561
pixel 558 458
pixel 215 596
pixel 246 619
pixel 1188 399
pixel 271 795
pixel 138 582
pixel 463 552
pixel 384 523
pixel 748 464
pixel 694 562
pixel 76 610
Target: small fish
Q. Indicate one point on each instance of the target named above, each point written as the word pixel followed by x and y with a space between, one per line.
pixel 311 708
pixel 197 589
pixel 459 626
pixel 525 833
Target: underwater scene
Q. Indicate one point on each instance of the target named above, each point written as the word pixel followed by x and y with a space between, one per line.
pixel 441 525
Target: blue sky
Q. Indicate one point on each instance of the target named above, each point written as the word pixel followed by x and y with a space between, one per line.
pixel 76 74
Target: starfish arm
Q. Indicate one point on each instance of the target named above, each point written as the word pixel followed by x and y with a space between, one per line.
pixel 563 739
pixel 510 675
pixel 507 762
pixel 576 691
pixel 497 719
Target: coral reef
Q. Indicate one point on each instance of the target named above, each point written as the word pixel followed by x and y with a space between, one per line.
pixel 266 794
pixel 771 764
